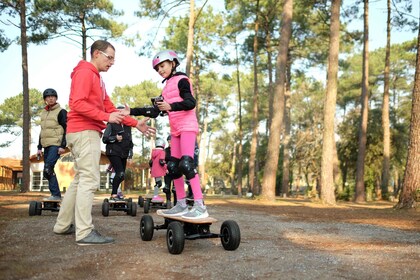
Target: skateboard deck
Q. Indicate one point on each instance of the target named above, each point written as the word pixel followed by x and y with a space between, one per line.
pixel 55 200
pixel 117 201
pixel 208 220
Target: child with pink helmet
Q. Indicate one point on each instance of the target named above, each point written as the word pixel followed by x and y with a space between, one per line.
pixel 179 103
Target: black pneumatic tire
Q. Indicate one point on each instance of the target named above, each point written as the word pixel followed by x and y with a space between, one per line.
pixel 175 238
pixel 32 208
pixel 105 209
pixel 141 201
pixel 133 209
pixel 146 206
pixel 129 208
pixel 230 235
pixel 38 208
pixel 146 228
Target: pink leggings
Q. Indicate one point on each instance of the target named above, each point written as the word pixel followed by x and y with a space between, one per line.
pixel 183 145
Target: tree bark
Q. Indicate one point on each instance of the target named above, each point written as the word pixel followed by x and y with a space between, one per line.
pixel 360 184
pixel 273 147
pixel 286 133
pixel 411 185
pixel 327 163
pixel 254 140
pixel 26 136
pixel 240 132
pixel 385 110
pixel 190 43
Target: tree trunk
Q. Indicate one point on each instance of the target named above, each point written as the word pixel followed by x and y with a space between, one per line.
pixel 411 185
pixel 336 170
pixel 240 158
pixel 360 184
pixel 273 147
pixel 26 136
pixel 84 36
pixel 327 163
pixel 203 148
pixel 385 110
pixel 270 76
pixel 254 140
pixel 286 133
pixel 190 43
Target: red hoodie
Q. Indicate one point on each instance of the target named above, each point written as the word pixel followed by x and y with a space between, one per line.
pixel 89 103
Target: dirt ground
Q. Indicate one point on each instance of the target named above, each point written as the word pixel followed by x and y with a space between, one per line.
pixel 291 238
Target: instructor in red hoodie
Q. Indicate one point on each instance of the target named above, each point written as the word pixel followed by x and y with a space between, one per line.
pixel 90 108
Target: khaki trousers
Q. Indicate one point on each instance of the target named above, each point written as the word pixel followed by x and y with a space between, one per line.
pixel 76 207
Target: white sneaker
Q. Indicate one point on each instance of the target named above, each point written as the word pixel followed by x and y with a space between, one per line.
pixel 196 212
pixel 176 211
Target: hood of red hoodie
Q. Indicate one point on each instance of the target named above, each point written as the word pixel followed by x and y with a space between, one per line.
pixel 83 64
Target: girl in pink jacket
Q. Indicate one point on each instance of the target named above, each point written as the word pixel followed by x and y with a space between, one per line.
pixel 158 167
pixel 179 103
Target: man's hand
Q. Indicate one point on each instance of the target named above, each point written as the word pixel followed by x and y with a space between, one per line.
pixel 116 117
pixel 61 151
pixel 144 128
pixel 126 110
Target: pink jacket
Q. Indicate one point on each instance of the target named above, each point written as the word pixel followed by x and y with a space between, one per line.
pixel 179 121
pixel 158 170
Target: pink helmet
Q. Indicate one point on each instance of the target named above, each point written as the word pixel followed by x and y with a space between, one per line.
pixel 165 55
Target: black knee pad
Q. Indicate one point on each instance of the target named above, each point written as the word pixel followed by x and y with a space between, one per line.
pixel 48 172
pixel 158 184
pixel 173 168
pixel 166 190
pixel 187 167
pixel 120 175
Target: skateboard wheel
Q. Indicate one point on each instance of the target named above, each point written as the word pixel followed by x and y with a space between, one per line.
pixel 146 206
pixel 175 238
pixel 230 235
pixel 146 228
pixel 133 209
pixel 141 201
pixel 38 208
pixel 129 208
pixel 32 208
pixel 105 209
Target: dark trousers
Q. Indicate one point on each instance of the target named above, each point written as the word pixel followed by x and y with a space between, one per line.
pixel 169 185
pixel 119 164
pixel 50 159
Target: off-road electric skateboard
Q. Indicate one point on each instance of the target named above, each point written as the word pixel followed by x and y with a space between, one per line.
pixel 36 207
pixel 178 229
pixel 148 203
pixel 126 205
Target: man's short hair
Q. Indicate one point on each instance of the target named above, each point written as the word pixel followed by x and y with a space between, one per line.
pixel 100 45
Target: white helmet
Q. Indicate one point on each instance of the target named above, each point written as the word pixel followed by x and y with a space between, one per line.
pixel 165 55
pixel 160 142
